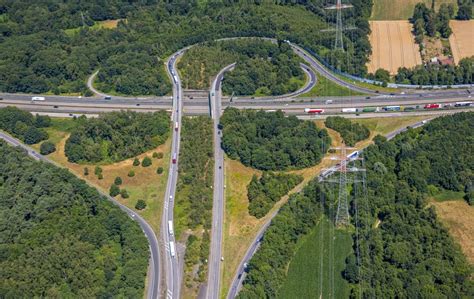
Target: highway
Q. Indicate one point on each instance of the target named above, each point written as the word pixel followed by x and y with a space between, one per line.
pixel 214 273
pixel 153 290
pixel 239 276
pixel 172 266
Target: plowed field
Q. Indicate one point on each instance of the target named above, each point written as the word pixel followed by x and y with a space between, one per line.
pixel 461 40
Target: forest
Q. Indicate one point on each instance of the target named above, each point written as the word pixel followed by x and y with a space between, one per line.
pixel 271 141
pixel 60 238
pixel 350 132
pixel 265 191
pixel 53 46
pixel 410 254
pixel 23 125
pixel 193 208
pixel 263 68
pixel 435 74
pixel 116 136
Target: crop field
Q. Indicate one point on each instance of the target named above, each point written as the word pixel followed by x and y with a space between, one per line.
pixel 461 39
pixel 400 9
pixel 393 46
pixel 458 217
pixel 310 274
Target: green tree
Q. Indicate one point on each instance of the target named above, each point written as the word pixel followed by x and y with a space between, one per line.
pixel 146 162
pixel 118 181
pixel 131 173
pixel 136 162
pixel 140 205
pixel 86 171
pixel 124 193
pixel 159 170
pixel 464 10
pixel 47 148
pixel 114 190
pixel 97 170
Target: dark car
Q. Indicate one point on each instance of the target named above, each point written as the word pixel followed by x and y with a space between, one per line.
pixel 107 98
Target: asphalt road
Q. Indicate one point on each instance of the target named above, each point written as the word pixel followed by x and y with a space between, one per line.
pixel 90 85
pixel 214 273
pixel 172 270
pixel 240 274
pixel 153 290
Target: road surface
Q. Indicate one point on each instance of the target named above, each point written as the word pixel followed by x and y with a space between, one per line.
pixel 153 290
pixel 90 85
pixel 171 256
pixel 214 273
pixel 240 274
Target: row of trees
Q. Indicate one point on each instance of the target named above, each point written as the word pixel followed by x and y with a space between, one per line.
pixel 350 132
pixel 428 21
pixel 410 254
pixel 116 136
pixel 194 196
pixel 61 238
pixel 271 141
pixel 435 74
pixel 38 54
pixel 23 125
pixel 265 191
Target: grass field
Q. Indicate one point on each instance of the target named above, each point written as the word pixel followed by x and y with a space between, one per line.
pixel 107 24
pixel 461 39
pixel 386 125
pixel 458 217
pixel 393 46
pixel 400 9
pixel 310 274
pixel 146 184
pixel 325 87
pixel 448 195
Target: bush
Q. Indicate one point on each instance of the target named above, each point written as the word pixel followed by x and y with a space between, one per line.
pixel 159 170
pixel 146 162
pixel 114 190
pixel 136 162
pixel 47 148
pixel 124 193
pixel 118 181
pixel 158 155
pixel 86 171
pixel 100 176
pixel 97 170
pixel 131 173
pixel 140 205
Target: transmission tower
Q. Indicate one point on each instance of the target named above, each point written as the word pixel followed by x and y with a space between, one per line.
pixel 343 169
pixel 338 7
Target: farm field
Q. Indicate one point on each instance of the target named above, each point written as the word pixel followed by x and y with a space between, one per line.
pixel 461 39
pixel 393 46
pixel 400 9
pixel 458 217
pixel 310 274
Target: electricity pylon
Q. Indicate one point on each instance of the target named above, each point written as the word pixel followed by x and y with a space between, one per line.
pixel 338 7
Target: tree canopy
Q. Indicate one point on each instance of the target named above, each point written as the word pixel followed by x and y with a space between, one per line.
pixel 23 125
pixel 350 132
pixel 271 141
pixel 116 136
pixel 61 238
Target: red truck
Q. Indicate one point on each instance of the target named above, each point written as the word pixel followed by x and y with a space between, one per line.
pixel 313 110
pixel 432 106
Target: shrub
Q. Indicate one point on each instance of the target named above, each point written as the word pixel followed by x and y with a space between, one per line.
pixel 155 155
pixel 97 170
pixel 159 155
pixel 136 162
pixel 86 171
pixel 146 162
pixel 124 193
pixel 159 170
pixel 47 148
pixel 118 181
pixel 141 204
pixel 131 173
pixel 100 176
pixel 114 190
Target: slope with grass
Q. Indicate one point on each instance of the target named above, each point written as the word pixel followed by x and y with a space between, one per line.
pixel 400 9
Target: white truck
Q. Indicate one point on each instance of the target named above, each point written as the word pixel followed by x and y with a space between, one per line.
pixel 349 110
pixel 34 99
pixel 170 228
pixel 172 249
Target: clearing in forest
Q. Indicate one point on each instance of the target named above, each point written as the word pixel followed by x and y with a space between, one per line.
pixel 458 217
pixel 461 39
pixel 393 46
pixel 400 9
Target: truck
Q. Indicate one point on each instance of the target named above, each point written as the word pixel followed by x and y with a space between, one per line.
pixel 370 109
pixel 391 108
pixel 34 99
pixel 170 228
pixel 175 79
pixel 174 158
pixel 462 104
pixel 313 110
pixel 172 249
pixel 176 126
pixel 432 106
pixel 349 110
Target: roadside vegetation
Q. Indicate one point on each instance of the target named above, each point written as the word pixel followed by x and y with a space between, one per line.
pixel 116 136
pixel 193 202
pixel 38 55
pixel 61 238
pixel 327 88
pixel 23 125
pixel 350 132
pixel 271 141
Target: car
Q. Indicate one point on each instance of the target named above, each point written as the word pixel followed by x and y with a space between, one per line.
pixel 138 104
pixel 222 258
pixel 55 106
pixel 171 197
pixel 107 98
pixel 1 99
pixel 220 167
pixel 367 98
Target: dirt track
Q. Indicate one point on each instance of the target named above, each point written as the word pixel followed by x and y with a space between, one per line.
pixel 461 40
pixel 393 46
